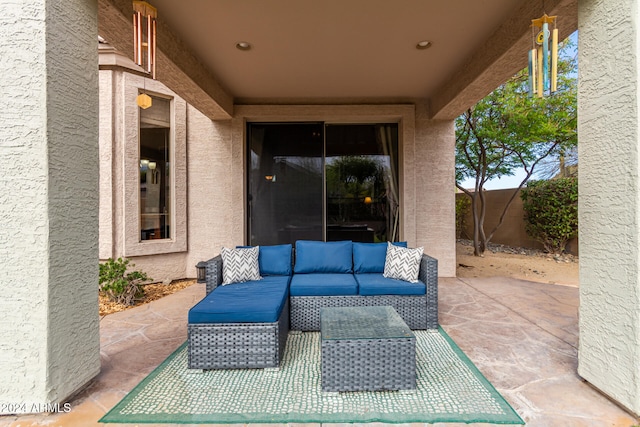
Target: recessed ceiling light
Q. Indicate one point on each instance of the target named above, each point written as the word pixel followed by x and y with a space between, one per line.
pixel 423 44
pixel 243 45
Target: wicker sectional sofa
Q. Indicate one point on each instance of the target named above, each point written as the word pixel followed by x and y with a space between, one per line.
pixel 242 325
pixel 345 274
pixel 245 325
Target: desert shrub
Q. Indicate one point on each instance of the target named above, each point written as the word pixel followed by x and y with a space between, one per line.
pixel 119 285
pixel 551 212
pixel 463 207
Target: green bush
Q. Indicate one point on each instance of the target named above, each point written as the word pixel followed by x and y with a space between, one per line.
pixel 551 212
pixel 463 207
pixel 119 285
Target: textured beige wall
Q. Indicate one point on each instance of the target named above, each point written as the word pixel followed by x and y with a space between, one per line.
pixel 512 232
pixel 176 65
pixel 435 185
pixel 106 163
pixel 162 267
pixel 129 167
pixel 214 209
pixel 49 327
pixel 217 175
pixel 216 203
pixel 119 178
pixel 608 129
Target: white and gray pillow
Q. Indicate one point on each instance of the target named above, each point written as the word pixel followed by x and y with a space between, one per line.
pixel 402 263
pixel 240 265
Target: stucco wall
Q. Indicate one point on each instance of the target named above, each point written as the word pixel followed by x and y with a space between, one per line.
pixel 217 176
pixel 106 163
pixel 120 182
pixel 608 129
pixel 435 184
pixel 512 232
pixel 128 168
pixel 214 210
pixel 49 338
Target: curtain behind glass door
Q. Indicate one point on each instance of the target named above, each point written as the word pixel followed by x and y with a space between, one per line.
pixel 362 182
pixel 285 183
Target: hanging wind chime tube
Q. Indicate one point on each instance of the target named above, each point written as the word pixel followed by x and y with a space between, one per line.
pixel 144 36
pixel 543 58
pixel 144 43
pixel 554 60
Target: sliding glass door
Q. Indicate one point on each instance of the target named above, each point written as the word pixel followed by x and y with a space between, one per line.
pixel 317 181
pixel 361 182
pixel 285 182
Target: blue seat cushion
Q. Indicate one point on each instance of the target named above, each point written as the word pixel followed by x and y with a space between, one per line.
pixel 315 284
pixel 258 301
pixel 274 260
pixel 377 284
pixel 324 257
pixel 370 257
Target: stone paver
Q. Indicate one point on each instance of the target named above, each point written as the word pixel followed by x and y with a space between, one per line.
pixel 523 336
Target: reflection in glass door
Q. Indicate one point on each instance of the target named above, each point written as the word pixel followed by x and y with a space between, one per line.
pixel 322 182
pixel 155 168
pixel 285 182
pixel 362 185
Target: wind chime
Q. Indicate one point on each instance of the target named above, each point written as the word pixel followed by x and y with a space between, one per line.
pixel 543 58
pixel 144 43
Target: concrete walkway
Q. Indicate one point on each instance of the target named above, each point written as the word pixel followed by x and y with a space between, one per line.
pixel 523 336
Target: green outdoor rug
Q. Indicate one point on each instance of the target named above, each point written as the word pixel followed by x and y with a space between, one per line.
pixel 449 389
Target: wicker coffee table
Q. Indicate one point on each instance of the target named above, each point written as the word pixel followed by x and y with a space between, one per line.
pixel 366 348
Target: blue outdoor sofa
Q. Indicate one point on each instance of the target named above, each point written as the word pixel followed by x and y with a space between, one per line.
pixel 245 325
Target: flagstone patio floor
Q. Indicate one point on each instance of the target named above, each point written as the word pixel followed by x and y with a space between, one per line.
pixel 522 335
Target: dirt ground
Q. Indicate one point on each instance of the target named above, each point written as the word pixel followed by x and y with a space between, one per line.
pixel 152 292
pixel 518 263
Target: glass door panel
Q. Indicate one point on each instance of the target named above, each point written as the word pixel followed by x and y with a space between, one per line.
pixel 285 182
pixel 361 179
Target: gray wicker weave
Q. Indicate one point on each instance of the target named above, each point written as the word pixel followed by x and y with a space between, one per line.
pixel 213 273
pixel 236 345
pixel 305 311
pixel 429 276
pixel 261 345
pixel 366 348
pixel 418 311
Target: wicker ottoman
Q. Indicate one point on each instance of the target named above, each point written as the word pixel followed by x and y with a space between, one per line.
pixel 366 348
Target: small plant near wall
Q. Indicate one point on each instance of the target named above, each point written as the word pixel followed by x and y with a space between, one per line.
pixel 551 212
pixel 119 285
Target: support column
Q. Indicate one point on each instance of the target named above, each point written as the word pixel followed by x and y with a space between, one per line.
pixel 609 198
pixel 49 326
pixel 435 189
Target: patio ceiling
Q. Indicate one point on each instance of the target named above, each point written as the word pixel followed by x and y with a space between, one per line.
pixel 337 52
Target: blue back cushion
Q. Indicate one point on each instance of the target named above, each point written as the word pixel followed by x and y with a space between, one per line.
pixel 323 257
pixel 274 260
pixel 370 257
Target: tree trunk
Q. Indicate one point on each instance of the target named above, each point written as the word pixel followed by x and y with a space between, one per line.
pixel 476 225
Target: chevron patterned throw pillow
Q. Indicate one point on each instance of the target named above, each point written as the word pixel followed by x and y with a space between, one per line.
pixel 240 265
pixel 402 263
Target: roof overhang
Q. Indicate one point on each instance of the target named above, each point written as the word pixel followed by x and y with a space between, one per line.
pixel 337 52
